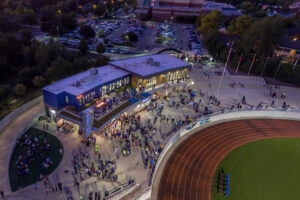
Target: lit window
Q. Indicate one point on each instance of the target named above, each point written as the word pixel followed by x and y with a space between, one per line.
pixel 151 82
pixel 67 100
pixel 119 83
pixel 104 90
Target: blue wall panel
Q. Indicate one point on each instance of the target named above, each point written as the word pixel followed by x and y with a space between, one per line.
pixel 58 101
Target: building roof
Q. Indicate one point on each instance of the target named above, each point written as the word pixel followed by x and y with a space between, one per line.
pixel 295 5
pixel 85 81
pixel 287 40
pixel 146 66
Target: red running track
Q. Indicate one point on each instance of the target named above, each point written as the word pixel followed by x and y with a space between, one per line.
pixel 189 172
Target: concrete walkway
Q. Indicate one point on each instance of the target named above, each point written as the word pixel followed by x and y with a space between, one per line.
pixel 8 138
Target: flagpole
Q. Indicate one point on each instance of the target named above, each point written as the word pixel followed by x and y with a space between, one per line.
pixel 220 83
pixel 252 64
pixel 277 69
pixel 238 66
pixel 265 66
pixel 296 63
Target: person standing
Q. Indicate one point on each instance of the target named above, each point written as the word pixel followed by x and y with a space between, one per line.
pixel 60 186
pixel 35 186
pixel 2 194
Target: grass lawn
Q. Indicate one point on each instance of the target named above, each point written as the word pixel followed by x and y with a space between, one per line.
pixel 263 170
pixel 35 168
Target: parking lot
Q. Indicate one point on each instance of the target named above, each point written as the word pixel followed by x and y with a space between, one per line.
pixel 109 32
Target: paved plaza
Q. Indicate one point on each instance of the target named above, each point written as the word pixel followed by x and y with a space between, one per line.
pixel 205 85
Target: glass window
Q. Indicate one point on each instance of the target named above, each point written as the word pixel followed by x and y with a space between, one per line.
pixel 151 81
pixel 81 100
pixel 104 88
pixel 119 83
pixel 67 100
pixel 139 82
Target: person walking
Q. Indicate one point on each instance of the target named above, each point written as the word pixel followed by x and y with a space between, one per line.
pixel 273 102
pixel 60 186
pixel 35 186
pixel 2 194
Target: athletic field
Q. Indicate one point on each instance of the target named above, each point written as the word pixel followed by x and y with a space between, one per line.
pixel 262 170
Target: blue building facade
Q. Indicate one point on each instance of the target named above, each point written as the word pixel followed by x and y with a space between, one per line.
pixel 62 99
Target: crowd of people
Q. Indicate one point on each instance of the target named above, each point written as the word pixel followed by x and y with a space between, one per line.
pixel 34 146
pixel 103 169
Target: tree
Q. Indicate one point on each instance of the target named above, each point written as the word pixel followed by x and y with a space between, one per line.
pixel 20 90
pixel 210 21
pixel 160 39
pixel 5 92
pixel 132 36
pixel 26 36
pixel 65 24
pixel 262 36
pixel 240 24
pixel 248 7
pixel 59 68
pixel 99 11
pixel 29 17
pixel 198 21
pixel 83 46
pixel 8 25
pixel 100 48
pixel 100 33
pixel 87 31
pixel 38 81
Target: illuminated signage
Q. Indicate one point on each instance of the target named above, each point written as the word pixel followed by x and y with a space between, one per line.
pixel 79 96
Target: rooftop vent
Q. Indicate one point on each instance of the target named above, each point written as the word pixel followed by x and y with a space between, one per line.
pixel 156 63
pixel 150 61
pixel 77 84
pixel 93 71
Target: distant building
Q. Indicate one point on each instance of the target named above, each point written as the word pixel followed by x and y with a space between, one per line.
pixel 71 101
pixel 172 9
pixel 289 45
pixel 295 6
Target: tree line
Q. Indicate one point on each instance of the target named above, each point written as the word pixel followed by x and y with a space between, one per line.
pixel 254 39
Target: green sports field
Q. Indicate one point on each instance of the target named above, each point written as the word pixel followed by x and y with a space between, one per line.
pixel 263 170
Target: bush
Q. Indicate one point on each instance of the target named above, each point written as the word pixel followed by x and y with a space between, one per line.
pixel 100 48
pixel 160 39
pixel 83 46
pixel 5 91
pixel 20 90
pixel 132 36
pixel 87 31
pixel 38 81
pixel 100 33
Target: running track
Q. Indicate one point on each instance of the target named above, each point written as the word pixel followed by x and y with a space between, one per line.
pixel 189 172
